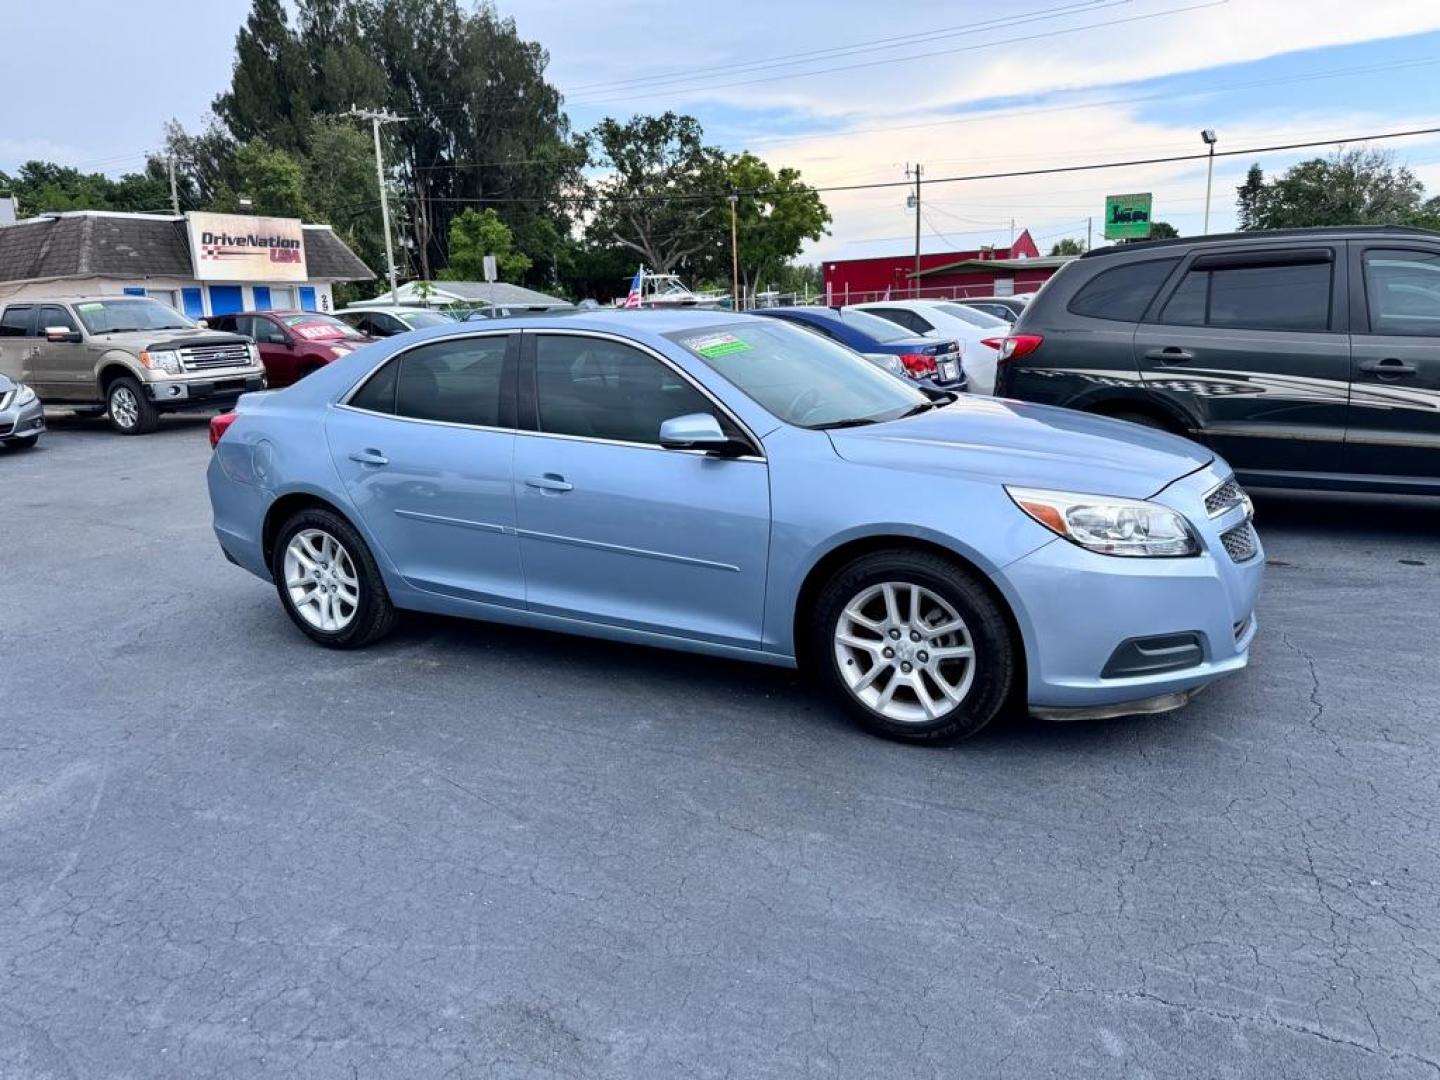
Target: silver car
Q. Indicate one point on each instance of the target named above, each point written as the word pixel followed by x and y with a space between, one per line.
pixel 22 417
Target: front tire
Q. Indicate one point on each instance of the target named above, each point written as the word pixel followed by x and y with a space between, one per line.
pixel 131 412
pixel 914 647
pixel 328 581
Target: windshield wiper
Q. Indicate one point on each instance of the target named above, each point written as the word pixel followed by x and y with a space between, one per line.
pixel 854 421
pixel 917 409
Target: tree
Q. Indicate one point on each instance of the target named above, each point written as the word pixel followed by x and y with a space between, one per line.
pixel 1068 246
pixel 42 185
pixel 663 195
pixel 1159 230
pixel 473 235
pixel 340 187
pixel 270 86
pixel 774 222
pixel 1352 187
pixel 273 181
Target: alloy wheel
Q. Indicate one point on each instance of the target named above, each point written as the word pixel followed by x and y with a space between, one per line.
pixel 321 580
pixel 124 409
pixel 905 652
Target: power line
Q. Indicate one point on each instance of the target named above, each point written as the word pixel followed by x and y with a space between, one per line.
pixel 914 56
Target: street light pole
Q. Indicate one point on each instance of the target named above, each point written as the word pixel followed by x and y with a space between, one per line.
pixel 1210 138
pixel 376 119
pixel 919 171
pixel 736 301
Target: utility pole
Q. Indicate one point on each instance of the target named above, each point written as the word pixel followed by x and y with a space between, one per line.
pixel 919 171
pixel 174 191
pixel 1089 233
pixel 736 300
pixel 376 119
pixel 1012 234
pixel 1210 138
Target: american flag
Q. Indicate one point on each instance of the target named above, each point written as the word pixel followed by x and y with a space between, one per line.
pixel 632 299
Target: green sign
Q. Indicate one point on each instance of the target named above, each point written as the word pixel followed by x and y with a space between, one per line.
pixel 1127 217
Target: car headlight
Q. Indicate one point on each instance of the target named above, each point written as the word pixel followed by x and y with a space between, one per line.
pixel 254 351
pixel 164 360
pixel 1109 525
pixel 23 395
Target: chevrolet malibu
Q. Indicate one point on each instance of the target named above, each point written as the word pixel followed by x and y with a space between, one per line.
pixel 738 486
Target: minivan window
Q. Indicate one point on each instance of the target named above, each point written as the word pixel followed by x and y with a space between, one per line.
pixel 1403 289
pixel 1122 292
pixel 1294 296
pixel 16 321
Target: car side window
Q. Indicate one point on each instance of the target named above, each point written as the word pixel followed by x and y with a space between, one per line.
pixel 1402 289
pixel 1290 296
pixel 385 325
pixel 457 381
pixel 378 392
pixel 54 315
pixel 266 332
pixel 1122 292
pixel 901 317
pixel 16 321
pixel 602 389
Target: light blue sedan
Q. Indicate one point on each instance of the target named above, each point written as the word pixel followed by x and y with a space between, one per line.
pixel 741 487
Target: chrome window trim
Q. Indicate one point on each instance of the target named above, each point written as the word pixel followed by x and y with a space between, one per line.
pixel 667 362
pixel 343 402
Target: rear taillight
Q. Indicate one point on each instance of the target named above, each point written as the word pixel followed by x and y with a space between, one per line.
pixel 218 425
pixel 918 364
pixel 1016 346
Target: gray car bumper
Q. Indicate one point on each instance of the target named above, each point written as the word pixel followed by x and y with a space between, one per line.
pixel 24 422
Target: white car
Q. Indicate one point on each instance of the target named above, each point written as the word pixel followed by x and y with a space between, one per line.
pixel 979 334
pixel 382 321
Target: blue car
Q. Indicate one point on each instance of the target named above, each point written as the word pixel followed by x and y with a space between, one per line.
pixel 738 486
pixel 931 363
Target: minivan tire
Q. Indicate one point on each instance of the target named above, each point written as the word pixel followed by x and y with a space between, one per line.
pixel 993 660
pixel 137 413
pixel 374 616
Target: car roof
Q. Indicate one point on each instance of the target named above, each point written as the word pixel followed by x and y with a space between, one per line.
pixel 1318 232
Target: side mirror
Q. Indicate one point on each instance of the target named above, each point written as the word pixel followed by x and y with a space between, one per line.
pixel 695 431
pixel 59 334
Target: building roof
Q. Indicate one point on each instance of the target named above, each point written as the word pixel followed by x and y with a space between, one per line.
pixel 496 293
pixel 1044 262
pixel 91 243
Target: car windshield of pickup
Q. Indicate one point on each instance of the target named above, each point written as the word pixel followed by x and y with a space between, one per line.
pixel 121 316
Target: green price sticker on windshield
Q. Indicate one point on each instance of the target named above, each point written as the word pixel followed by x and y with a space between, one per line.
pixel 712 346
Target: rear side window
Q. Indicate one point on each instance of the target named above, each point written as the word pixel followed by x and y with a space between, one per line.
pixel 378 394
pixel 1295 296
pixel 16 321
pixel 456 381
pixel 1122 293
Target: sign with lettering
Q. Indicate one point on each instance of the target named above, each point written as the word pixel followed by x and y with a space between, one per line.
pixel 236 247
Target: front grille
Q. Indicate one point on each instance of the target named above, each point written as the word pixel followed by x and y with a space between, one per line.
pixel 1241 544
pixel 5 399
pixel 1223 498
pixel 6 428
pixel 205 357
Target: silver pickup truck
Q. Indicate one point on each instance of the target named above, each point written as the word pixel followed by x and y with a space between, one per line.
pixel 130 356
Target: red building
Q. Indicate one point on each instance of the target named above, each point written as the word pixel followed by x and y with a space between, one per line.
pixel 1019 268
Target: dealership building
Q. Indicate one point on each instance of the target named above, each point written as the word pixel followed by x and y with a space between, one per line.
pixel 201 264
pixel 943 275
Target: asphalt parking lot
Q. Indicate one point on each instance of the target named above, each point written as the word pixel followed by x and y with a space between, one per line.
pixel 482 852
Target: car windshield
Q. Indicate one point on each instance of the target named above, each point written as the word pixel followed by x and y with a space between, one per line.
pixel 418 320
pixel 799 376
pixel 882 330
pixel 973 316
pixel 120 316
pixel 319 327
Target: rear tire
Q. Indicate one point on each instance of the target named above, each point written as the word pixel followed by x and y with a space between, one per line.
pixel 913 646
pixel 328 581
pixel 131 412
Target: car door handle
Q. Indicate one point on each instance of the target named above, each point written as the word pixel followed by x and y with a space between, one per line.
pixel 1390 368
pixel 1170 355
pixel 549 482
pixel 369 457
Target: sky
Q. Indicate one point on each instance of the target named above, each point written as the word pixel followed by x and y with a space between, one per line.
pixel 851 93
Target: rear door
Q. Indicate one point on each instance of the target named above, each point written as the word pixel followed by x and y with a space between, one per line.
pixel 1395 360
pixel 1252 345
pixel 17 345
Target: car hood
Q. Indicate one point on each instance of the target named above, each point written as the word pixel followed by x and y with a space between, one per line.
pixel 1015 442
pixel 169 339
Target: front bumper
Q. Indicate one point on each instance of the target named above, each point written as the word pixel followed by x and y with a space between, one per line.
pixel 1077 608
pixel 24 422
pixel 208 393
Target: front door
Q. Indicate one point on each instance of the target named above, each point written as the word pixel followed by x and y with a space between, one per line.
pixel 17 345
pixel 424 448
pixel 1252 344
pixel 1395 356
pixel 277 352
pixel 63 366
pixel 613 528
